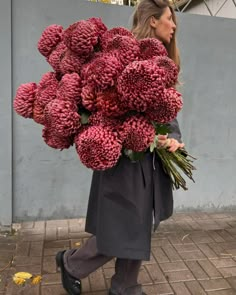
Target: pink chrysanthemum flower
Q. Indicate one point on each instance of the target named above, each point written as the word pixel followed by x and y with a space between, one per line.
pixel 89 96
pixel 141 84
pixel 151 47
pixel 166 109
pixel 56 56
pixel 137 133
pixel 70 88
pixel 98 148
pixel 110 34
pixel 100 26
pixel 55 141
pixel 71 62
pixel 124 48
pixel 103 71
pixel 38 113
pixel 108 103
pixel 47 89
pixel 81 37
pixel 62 117
pixel 49 39
pixel 24 99
pixel 170 68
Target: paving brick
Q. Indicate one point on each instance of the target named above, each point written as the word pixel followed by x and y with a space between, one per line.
pixel 32 238
pixel 228 271
pixel 171 253
pixel 53 251
pixel 33 269
pixel 226 236
pixel 151 261
pixel 57 244
pixel 223 262
pixel 52 289
pixel 156 273
pixel 109 264
pixel 13 289
pixel 210 269
pixel 144 277
pixel 36 248
pixel 97 280
pixel 186 248
pixel 32 231
pixel 193 255
pixel 197 270
pixel 51 234
pixel 159 255
pixel 57 223
pixel 28 224
pixel 215 236
pixel 22 248
pixel 27 260
pixel 207 251
pixel 7 247
pixel 173 266
pixel 39 224
pixel 159 242
pixel 62 233
pixel 180 239
pixel 108 272
pixel 159 289
pixel 85 285
pixel 179 276
pixel 180 289
pixel 201 238
pixel 214 285
pixel 51 279
pixel 232 282
pixel 49 264
pixel 223 292
pixel 195 288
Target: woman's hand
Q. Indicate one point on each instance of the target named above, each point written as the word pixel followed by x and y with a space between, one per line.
pixel 170 143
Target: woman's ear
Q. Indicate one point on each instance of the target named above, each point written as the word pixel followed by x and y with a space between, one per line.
pixel 153 22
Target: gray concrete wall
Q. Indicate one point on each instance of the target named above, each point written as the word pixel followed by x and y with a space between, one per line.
pixel 49 184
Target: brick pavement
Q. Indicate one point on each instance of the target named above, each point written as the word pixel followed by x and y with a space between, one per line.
pixel 192 254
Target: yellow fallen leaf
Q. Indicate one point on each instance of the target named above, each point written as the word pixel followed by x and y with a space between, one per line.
pixel 19 281
pixel 36 280
pixel 77 244
pixel 23 275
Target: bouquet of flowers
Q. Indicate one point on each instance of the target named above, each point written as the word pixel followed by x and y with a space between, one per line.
pixel 108 93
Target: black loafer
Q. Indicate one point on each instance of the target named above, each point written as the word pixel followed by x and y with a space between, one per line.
pixel 70 284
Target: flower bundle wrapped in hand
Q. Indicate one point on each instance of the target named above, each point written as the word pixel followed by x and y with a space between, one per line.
pixel 108 93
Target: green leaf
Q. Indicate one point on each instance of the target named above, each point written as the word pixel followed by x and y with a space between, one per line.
pixel 154 144
pixel 84 118
pixel 161 128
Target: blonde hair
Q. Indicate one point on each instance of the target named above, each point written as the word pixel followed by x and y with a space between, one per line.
pixel 141 28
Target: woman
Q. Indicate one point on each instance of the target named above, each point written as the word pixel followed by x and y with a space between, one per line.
pixel 124 199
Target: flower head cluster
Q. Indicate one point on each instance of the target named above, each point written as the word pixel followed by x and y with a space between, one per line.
pixel 47 89
pixel 141 84
pixel 55 141
pixel 62 117
pixel 151 47
pixel 24 100
pixel 166 110
pixel 70 87
pixel 137 133
pixel 51 36
pixel 81 37
pixel 98 147
pixel 105 90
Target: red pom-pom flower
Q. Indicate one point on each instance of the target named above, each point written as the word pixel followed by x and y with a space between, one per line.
pixel 137 133
pixel 62 117
pixel 81 37
pixel 54 59
pixel 141 84
pixel 98 148
pixel 70 88
pixel 49 39
pixel 151 47
pixel 24 100
pixel 167 109
pixel 47 89
pixel 55 141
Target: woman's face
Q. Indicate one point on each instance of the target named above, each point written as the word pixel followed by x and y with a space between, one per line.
pixel 164 26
